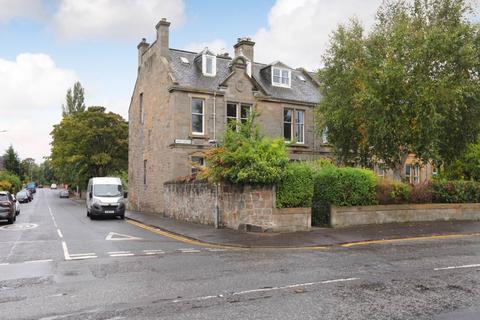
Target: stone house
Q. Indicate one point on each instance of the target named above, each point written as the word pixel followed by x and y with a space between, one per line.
pixel 183 100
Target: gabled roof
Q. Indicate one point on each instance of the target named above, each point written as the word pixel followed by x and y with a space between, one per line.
pixel 190 75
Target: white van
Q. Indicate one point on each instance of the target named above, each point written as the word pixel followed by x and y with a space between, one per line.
pixel 105 197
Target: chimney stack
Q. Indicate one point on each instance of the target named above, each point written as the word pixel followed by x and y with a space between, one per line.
pixel 162 37
pixel 245 46
pixel 142 47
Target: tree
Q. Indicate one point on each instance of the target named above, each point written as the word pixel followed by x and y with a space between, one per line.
pixel 412 85
pixel 89 144
pixel 11 161
pixel 246 156
pixel 74 101
pixel 28 168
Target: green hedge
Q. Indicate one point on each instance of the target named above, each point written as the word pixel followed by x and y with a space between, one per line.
pixel 296 186
pixel 455 191
pixel 10 181
pixel 341 187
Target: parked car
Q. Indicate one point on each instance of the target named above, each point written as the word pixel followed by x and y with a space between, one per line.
pixel 30 194
pixel 64 193
pixel 32 186
pixel 105 197
pixel 22 197
pixel 40 186
pixel 7 207
pixel 17 205
pixel 53 186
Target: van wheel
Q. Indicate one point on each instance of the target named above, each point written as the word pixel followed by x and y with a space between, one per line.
pixel 11 220
pixel 88 213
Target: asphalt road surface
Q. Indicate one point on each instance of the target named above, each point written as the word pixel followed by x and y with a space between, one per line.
pixel 55 263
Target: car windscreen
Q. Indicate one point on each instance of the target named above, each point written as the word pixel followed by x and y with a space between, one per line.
pixel 21 194
pixel 3 197
pixel 31 185
pixel 107 190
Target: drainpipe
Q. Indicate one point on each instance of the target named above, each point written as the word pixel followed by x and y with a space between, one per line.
pixel 216 211
pixel 214 115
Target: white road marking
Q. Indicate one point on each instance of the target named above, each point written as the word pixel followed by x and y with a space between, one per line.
pixel 82 254
pixel 215 250
pixel 114 252
pixel 188 250
pixel 122 255
pixel 83 257
pixel 113 236
pixel 458 267
pixel 4 264
pixel 38 261
pixel 268 289
pixel 59 233
pixel 65 251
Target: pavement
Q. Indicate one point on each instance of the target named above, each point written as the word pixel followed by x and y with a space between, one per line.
pixel 317 237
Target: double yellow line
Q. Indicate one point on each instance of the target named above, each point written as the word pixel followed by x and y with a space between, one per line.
pixel 346 245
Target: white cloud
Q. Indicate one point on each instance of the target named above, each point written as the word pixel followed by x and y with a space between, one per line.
pixel 298 31
pixel 117 19
pixel 217 46
pixel 11 9
pixel 33 90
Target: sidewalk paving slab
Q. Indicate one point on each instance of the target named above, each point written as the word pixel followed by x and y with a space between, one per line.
pixel 315 237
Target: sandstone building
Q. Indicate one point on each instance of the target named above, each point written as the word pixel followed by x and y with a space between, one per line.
pixel 183 100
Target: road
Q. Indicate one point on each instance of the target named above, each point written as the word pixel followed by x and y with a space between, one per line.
pixel 58 264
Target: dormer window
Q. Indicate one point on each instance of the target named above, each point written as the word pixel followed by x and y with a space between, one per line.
pixel 281 77
pixel 209 65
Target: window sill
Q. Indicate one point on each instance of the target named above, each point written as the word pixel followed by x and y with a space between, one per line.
pixel 297 145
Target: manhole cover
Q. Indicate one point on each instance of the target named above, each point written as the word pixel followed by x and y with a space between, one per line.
pixel 19 226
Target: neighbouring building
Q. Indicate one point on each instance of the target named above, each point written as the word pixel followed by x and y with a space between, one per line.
pixel 182 101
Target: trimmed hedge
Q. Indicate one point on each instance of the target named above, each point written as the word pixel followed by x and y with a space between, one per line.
pixel 341 187
pixel 455 191
pixel 296 186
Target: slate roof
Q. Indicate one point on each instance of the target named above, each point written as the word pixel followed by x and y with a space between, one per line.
pixel 190 75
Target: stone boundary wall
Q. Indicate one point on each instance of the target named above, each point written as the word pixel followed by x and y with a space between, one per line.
pixel 362 215
pixel 247 208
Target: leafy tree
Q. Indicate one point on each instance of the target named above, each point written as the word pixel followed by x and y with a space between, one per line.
pixel 89 144
pixel 29 169
pixel 246 156
pixel 9 182
pixel 11 161
pixel 412 85
pixel 74 101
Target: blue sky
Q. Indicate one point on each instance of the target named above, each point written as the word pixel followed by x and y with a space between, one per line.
pixel 47 45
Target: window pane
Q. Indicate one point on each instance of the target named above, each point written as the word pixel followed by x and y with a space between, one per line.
pixel 197 106
pixel 276 72
pixel 199 160
pixel 284 73
pixel 231 110
pixel 287 131
pixel 197 123
pixel 287 115
pixel 299 133
pixel 276 79
pixel 245 111
pixel 209 65
pixel 299 117
pixel 407 170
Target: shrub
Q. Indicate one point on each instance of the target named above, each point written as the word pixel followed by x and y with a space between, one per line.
pixel 246 157
pixel 421 193
pixel 296 186
pixel 389 192
pixel 455 191
pixel 341 187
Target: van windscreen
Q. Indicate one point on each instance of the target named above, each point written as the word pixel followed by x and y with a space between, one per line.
pixel 107 190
